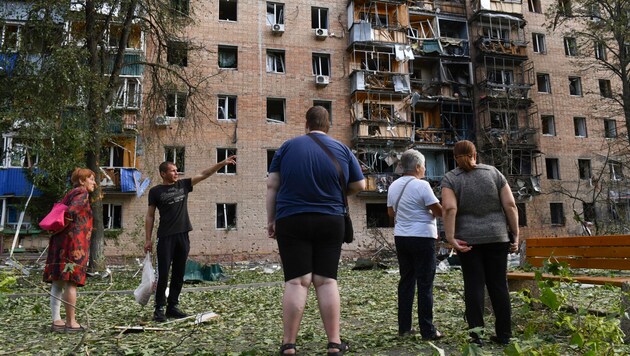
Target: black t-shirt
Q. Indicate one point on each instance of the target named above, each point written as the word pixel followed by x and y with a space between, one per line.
pixel 172 203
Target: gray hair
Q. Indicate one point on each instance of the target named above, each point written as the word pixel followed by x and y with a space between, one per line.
pixel 410 159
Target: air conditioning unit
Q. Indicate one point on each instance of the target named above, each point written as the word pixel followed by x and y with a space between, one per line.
pixel 277 29
pixel 321 33
pixel 322 79
pixel 162 121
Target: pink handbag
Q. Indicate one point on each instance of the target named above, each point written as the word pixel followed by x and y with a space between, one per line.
pixel 56 219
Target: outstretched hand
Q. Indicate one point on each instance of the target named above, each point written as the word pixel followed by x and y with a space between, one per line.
pixel 229 160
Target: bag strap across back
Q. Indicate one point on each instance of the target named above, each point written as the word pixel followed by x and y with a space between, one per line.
pixel 342 177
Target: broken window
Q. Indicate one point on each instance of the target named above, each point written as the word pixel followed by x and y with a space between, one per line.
pixel 504 120
pixel 377 111
pixel 548 125
pixel 222 154
pixel 275 109
pixel 534 6
pixel 176 105
pixel 584 168
pixel 616 170
pixel 227 10
pixel 376 214
pixel 327 104
pixel 588 209
pixel 176 155
pixel 605 89
pixel 227 107
pixel 112 156
pixel 557 213
pixel 579 124
pixel 321 64
pixel 177 53
pixel 504 77
pixel 228 57
pixel 275 13
pixel 17 153
pixel 496 33
pixel 226 216
pixel 521 162
pixel 575 86
pixel 544 85
pixel 9 37
pixel 553 168
pixel 564 7
pixel 570 47
pixel 376 20
pixel 319 18
pixel 600 51
pixel 610 128
pixel 129 93
pixel 112 216
pixel 538 43
pixel 275 61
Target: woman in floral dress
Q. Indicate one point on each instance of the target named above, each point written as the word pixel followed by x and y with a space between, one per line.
pixel 69 251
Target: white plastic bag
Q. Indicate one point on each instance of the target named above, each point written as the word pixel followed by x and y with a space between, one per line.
pixel 145 289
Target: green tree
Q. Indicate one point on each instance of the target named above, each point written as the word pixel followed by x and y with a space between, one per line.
pixel 59 83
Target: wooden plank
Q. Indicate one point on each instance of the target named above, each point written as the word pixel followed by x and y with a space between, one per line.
pixel 598 263
pixel 613 281
pixel 584 251
pixel 607 240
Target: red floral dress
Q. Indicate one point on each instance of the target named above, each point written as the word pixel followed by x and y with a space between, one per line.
pixel 69 250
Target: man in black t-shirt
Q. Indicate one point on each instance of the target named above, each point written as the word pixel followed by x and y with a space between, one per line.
pixel 171 200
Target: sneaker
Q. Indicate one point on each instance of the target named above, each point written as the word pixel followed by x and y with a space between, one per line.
pixel 407 333
pixel 500 340
pixel 173 312
pixel 158 315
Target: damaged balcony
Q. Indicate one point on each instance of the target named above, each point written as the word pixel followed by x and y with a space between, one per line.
pixel 118 160
pixel 500 34
pixel 512 6
pixel 505 79
pixel 441 123
pixel 378 21
pixel 433 78
pixel 456 7
pixel 430 35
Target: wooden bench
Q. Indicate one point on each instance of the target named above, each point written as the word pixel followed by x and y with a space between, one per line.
pixel 611 253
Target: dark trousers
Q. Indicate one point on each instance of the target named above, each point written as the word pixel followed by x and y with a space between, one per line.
pixel 173 250
pixel 486 266
pixel 416 259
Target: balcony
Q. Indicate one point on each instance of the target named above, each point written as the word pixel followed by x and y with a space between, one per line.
pixel 374 131
pixel 502 47
pixel 364 32
pixel 375 81
pixel 438 6
pixel 123 180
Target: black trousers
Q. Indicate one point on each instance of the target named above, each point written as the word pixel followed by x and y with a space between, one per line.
pixel 173 250
pixel 416 260
pixel 486 266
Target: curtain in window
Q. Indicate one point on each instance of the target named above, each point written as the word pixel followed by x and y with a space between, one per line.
pixel 227 60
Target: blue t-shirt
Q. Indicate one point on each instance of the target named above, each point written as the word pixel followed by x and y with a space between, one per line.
pixel 309 181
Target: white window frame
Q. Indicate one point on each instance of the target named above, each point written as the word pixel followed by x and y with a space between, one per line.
pixel 3 35
pixel 616 170
pixel 321 64
pixel 501 76
pixel 227 104
pixel 275 13
pixel 600 51
pixel 15 151
pixel 555 168
pixel 547 88
pixel 109 209
pixel 177 151
pixel 570 47
pixel 126 97
pixel 538 43
pixel 276 61
pixel 111 150
pixel 222 154
pixel 177 99
pixel 580 128
pixel 226 218
pixel 319 13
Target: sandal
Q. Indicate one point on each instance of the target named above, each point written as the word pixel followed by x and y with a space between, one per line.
pixel 77 329
pixel 57 328
pixel 342 347
pixel 285 347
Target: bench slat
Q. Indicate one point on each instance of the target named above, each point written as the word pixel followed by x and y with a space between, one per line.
pixel 599 263
pixel 606 240
pixel 584 251
pixel 614 281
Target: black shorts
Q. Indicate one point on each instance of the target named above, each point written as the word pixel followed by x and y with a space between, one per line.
pixel 310 243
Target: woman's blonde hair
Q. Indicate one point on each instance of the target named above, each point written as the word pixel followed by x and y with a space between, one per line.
pixel 80 174
pixel 465 152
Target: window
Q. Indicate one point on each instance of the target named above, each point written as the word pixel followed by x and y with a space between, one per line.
pixel 600 51
pixel 496 33
pixel 575 86
pixel 377 111
pixel 326 104
pixel 538 41
pixel 604 88
pixel 377 215
pixel 275 13
pixel 504 120
pixel 226 216
pixel 129 93
pixel 17 153
pixel 228 57
pixel 616 170
pixel 522 214
pixel 176 155
pixel 579 124
pixel 321 64
pixel 275 61
pixel 501 76
pixel 557 214
pixel 619 211
pixel 112 216
pixel 610 128
pixel 544 85
pixel 275 109
pixel 534 6
pixel 180 7
pixel 9 37
pixel 553 168
pixel 570 47
pixel 112 156
pixel 564 7
pixel 176 105
pixel 222 154
pixel 548 125
pixel 319 18
pixel 227 107
pixel 177 53
pixel 584 166
pixel 590 214
pixel 227 10
pixel 270 154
